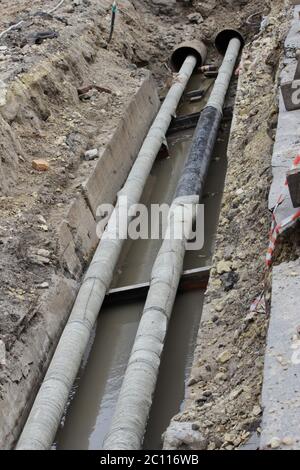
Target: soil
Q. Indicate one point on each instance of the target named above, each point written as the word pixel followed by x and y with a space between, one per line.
pixel 46 119
pixel 224 390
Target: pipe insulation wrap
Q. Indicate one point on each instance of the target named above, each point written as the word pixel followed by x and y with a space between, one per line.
pixel 132 411
pixel 131 414
pixel 51 400
pixel 217 97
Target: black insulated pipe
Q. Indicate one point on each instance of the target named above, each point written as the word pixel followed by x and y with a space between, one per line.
pixel 195 171
pixel 194 174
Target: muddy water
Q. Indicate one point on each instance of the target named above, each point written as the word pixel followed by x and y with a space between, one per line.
pixel 96 389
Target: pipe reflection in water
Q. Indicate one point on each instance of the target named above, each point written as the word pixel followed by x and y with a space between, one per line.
pixel 91 409
pixel 177 360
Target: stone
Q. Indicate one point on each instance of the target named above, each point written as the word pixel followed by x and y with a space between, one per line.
pixel 40 165
pixel 182 435
pixel 43 252
pixel 41 219
pixel 219 307
pixel 195 18
pixel 235 393
pixel 288 441
pixel 2 353
pixel 224 267
pixel 228 252
pixel 225 356
pixel 43 285
pixel 91 154
pixel 220 377
pixel 256 410
pixel 165 7
pixel 40 260
pixel 229 438
pixel 3 93
pixel 275 443
pixel 229 280
pixel 205 8
pixel 192 381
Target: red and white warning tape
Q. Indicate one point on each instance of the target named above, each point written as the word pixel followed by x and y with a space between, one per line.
pixel 277 229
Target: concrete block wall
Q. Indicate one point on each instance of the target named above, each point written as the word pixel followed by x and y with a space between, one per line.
pixel 281 386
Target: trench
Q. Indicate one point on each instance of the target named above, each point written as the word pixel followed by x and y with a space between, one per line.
pixel 95 392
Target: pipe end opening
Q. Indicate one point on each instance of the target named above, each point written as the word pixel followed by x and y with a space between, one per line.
pixel 224 37
pixel 181 52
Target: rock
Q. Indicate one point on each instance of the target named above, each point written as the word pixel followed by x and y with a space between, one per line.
pixel 235 393
pixel 40 165
pixel 192 381
pixel 44 285
pixel 165 7
pixel 288 441
pixel 41 219
pixel 219 307
pixel 239 191
pixel 200 399
pixel 224 267
pixel 256 410
pixel 70 9
pixel 230 438
pixel 43 252
pixel 229 280
pixel 40 256
pixel 225 356
pixel 220 377
pixel 195 18
pixel 91 154
pixel 40 260
pixel 2 353
pixel 3 93
pixel 183 436
pixel 228 252
pixel 205 8
pixel 275 443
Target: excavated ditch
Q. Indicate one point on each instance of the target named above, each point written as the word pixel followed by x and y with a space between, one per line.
pixel 42 116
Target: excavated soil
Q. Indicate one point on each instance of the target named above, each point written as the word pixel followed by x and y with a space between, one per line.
pixel 42 117
pixel 224 390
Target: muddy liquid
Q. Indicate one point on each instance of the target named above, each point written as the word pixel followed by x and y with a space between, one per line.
pixel 96 389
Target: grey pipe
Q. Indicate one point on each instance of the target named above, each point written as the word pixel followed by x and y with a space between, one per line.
pixel 135 399
pixel 51 400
